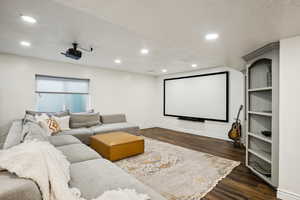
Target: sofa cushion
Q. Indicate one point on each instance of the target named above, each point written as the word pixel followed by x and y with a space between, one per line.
pixel 83 134
pixel 116 118
pixel 113 127
pixel 84 120
pixel 61 140
pixel 14 135
pixel 15 188
pixel 94 177
pixel 78 153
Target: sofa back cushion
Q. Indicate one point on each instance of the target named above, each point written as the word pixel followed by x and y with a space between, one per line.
pixel 84 120
pixel 14 136
pixel 115 118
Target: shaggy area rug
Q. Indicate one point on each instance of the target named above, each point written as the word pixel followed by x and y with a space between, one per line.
pixel 176 172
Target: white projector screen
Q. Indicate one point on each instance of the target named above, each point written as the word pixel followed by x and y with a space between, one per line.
pixel 199 97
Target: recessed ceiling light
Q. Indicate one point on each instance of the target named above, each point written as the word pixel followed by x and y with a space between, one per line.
pixel 144 51
pixel 164 70
pixel 194 65
pixel 118 61
pixel 28 19
pixel 212 36
pixel 25 43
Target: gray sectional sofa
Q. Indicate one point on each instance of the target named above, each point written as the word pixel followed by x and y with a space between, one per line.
pixel 90 173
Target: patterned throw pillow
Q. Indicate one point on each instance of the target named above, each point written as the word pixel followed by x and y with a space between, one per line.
pixel 53 125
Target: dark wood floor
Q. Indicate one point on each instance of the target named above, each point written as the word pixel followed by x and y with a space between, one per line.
pixel 240 184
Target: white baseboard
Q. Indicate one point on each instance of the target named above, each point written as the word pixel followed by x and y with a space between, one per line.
pixel 194 132
pixel 286 195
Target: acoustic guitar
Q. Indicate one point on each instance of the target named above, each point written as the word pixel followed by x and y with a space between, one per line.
pixel 235 132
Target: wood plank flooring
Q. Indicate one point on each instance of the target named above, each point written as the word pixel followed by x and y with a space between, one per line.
pixel 240 184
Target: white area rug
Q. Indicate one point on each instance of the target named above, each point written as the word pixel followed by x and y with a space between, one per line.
pixel 176 172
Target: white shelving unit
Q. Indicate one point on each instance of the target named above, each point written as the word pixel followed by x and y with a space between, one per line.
pixel 262 112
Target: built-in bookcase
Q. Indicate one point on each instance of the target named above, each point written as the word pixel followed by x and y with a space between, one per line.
pixel 262 112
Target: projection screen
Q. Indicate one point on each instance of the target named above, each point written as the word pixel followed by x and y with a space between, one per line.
pixel 203 97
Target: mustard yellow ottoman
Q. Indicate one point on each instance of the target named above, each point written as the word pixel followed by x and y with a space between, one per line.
pixel 117 145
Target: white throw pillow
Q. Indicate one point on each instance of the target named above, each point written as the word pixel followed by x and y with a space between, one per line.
pixel 63 122
pixel 43 122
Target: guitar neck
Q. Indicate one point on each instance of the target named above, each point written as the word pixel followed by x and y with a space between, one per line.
pixel 238 115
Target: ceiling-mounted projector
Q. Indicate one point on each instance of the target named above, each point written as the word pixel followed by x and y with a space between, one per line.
pixel 74 53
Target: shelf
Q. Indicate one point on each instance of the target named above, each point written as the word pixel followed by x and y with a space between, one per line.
pixel 260 113
pixel 267 179
pixel 259 123
pixel 261 137
pixel 262 155
pixel 260 89
pixel 260 101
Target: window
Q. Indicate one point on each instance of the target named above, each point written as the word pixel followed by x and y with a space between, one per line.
pixel 55 94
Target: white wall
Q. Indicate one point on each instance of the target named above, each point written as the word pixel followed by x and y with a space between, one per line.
pixel 111 91
pixel 139 96
pixel 289 118
pixel 208 128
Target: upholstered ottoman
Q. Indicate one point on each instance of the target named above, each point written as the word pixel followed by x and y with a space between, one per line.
pixel 117 145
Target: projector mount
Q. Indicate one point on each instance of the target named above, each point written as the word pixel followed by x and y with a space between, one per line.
pixel 76 45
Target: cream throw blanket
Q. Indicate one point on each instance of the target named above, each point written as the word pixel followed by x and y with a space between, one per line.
pixel 48 167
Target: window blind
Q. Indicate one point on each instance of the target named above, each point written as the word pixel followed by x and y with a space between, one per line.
pixel 51 84
pixel 55 94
